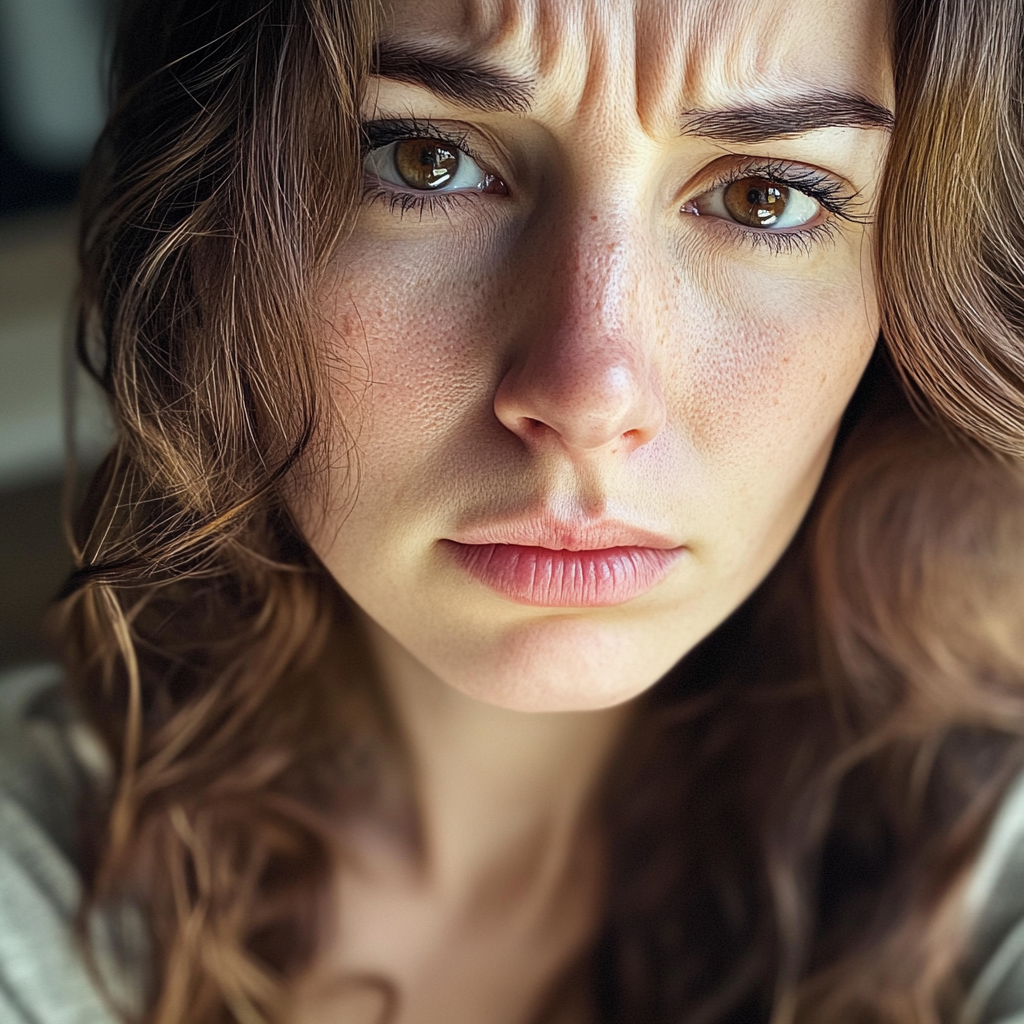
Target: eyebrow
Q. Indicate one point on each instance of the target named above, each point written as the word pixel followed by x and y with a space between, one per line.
pixel 465 79
pixel 782 119
pixel 475 83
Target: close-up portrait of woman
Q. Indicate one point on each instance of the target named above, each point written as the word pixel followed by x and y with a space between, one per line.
pixel 561 556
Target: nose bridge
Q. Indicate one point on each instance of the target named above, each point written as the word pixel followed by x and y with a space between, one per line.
pixel 584 371
pixel 596 275
pixel 595 332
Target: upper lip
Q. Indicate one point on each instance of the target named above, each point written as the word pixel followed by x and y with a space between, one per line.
pixel 550 531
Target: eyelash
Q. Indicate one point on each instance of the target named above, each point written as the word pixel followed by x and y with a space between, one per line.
pixel 821 187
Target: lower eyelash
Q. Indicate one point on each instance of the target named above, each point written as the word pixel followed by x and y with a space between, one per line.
pixel 780 242
pixel 401 203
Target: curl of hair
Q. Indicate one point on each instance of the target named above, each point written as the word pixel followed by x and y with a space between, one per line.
pixel 217 195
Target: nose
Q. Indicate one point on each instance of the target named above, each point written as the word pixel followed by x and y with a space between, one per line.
pixel 583 374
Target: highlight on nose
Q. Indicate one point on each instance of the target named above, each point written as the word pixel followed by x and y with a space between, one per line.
pixel 584 404
pixel 584 365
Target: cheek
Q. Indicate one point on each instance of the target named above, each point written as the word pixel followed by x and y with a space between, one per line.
pixel 409 349
pixel 771 365
pixel 759 375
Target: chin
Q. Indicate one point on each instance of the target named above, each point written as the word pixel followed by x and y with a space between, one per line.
pixel 560 664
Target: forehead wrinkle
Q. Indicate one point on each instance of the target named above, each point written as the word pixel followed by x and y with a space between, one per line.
pixel 556 43
pixel 539 36
pixel 668 55
pixel 575 50
pixel 512 22
pixel 728 52
pixel 557 25
pixel 611 46
pixel 544 31
pixel 664 31
pixel 516 25
pixel 589 54
pixel 485 20
pixel 556 39
pixel 691 51
pixel 476 25
pixel 723 58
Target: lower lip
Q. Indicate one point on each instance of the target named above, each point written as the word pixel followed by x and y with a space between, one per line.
pixel 565 579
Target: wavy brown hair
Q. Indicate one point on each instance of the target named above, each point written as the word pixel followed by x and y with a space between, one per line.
pixel 752 878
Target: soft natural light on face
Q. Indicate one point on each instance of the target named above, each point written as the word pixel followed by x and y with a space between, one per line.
pixel 630 306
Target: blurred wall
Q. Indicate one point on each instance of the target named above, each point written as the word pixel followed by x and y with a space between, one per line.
pixel 51 108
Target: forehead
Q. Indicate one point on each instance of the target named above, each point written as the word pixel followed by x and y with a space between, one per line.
pixel 670 54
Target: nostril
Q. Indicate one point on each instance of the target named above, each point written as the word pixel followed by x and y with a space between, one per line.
pixel 532 427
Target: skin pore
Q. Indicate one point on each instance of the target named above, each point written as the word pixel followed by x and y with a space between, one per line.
pixel 572 343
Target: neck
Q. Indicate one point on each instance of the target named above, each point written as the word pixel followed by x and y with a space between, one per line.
pixel 494 785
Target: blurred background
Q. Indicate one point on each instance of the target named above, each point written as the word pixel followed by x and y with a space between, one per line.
pixel 51 109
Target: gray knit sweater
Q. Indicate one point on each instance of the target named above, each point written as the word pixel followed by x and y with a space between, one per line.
pixel 45 756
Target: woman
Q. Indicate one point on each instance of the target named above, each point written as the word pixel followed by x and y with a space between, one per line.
pixel 520 591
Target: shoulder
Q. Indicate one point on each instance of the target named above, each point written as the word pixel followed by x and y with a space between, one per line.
pixel 994 967
pixel 45 757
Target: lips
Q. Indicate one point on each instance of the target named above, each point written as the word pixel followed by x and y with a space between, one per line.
pixel 557 565
pixel 565 579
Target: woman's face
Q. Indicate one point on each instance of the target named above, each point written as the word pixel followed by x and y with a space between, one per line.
pixel 607 298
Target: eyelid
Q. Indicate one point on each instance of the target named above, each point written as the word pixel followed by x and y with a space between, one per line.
pixel 381 131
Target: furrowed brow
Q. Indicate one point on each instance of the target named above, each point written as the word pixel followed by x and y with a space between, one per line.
pixel 463 78
pixel 782 119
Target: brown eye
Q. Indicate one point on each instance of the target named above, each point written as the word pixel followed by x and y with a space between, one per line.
pixel 756 202
pixel 425 163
